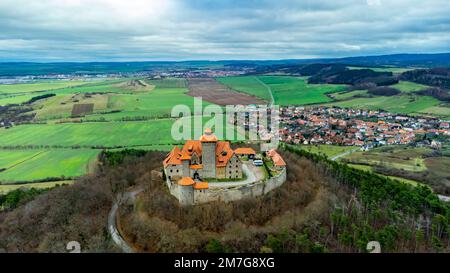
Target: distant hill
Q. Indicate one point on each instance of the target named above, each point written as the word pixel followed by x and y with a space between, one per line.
pixel 400 60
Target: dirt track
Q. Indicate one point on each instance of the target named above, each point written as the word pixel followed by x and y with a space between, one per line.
pixel 211 90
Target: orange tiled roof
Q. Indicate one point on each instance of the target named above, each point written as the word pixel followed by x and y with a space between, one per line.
pixel 173 157
pixel 223 153
pixel 186 181
pixel 201 185
pixel 276 158
pixel 208 136
pixel 196 167
pixel 245 151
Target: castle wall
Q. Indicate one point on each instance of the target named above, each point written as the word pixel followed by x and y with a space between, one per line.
pixel 233 194
pixel 174 170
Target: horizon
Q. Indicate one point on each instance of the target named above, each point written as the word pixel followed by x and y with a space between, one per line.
pixel 229 60
pixel 173 30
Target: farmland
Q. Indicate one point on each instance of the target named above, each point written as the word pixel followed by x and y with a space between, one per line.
pixel 409 86
pixel 30 165
pixel 286 90
pixel 405 104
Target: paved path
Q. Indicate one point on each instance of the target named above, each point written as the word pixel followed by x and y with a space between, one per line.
pixel 251 177
pixel 272 101
pixel 334 158
pixel 112 225
pixel 444 198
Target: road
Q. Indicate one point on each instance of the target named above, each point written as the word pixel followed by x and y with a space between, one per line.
pixel 112 225
pixel 251 177
pixel 272 101
pixel 334 158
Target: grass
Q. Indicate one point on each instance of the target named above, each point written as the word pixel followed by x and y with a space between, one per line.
pixel 247 84
pixel 396 70
pixel 42 164
pixel 438 111
pixel 328 150
pixel 93 134
pixel 296 91
pixel 61 106
pixel 169 83
pixel 406 103
pixel 286 90
pixel 407 87
pixel 348 95
pixel 14 99
pixel 39 185
pixel 39 86
pixel 158 102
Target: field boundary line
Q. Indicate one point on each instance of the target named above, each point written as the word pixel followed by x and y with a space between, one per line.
pixel 272 100
pixel 25 160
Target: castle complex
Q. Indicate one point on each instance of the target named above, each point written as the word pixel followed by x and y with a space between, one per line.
pixel 188 169
pixel 202 159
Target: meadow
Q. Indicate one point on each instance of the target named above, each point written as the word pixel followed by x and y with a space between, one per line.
pixel 404 104
pixel 406 87
pixel 30 165
pixel 286 90
pixel 37 86
pixel 247 84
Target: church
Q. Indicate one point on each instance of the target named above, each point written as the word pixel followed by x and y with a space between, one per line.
pixel 203 159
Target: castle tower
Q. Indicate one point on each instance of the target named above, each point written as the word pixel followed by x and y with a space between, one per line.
pixel 209 141
pixel 186 191
pixel 185 160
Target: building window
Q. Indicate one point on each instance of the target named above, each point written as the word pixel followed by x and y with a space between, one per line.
pixel 177 170
pixel 171 170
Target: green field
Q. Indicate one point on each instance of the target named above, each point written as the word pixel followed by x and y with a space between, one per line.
pixel 348 95
pixel 91 134
pixel 396 70
pixel 328 150
pixel 247 84
pixel 29 165
pixel 169 83
pixel 409 86
pixel 405 104
pixel 39 86
pixel 286 90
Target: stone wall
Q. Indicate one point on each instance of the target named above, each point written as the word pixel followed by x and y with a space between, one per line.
pixel 235 193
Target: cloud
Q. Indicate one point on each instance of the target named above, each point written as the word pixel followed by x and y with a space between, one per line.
pixel 102 30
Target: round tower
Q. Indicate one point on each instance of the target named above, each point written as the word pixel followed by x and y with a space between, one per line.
pixel 186 191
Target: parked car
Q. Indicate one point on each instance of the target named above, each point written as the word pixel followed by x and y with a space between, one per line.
pixel 258 162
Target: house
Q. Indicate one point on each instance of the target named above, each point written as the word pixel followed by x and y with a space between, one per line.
pixel 278 161
pixel 249 152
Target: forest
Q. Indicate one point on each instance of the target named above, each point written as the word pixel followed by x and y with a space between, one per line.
pixel 324 206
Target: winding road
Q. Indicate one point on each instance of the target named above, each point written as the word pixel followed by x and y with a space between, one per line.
pixel 112 224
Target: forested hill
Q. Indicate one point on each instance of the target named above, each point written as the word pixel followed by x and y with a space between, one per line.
pixel 35 68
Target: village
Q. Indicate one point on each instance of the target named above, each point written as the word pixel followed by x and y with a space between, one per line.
pixel 363 128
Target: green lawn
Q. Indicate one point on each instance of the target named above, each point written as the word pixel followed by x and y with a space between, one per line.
pixel 395 70
pixel 247 84
pixel 30 165
pixel 409 86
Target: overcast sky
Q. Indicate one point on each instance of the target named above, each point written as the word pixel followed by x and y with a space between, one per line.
pixel 134 30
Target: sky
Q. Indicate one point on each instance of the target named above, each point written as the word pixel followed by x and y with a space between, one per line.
pixel 146 30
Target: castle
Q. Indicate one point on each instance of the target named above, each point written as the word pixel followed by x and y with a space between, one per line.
pixel 208 159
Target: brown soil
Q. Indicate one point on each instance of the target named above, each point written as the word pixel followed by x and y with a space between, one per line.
pixel 211 90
